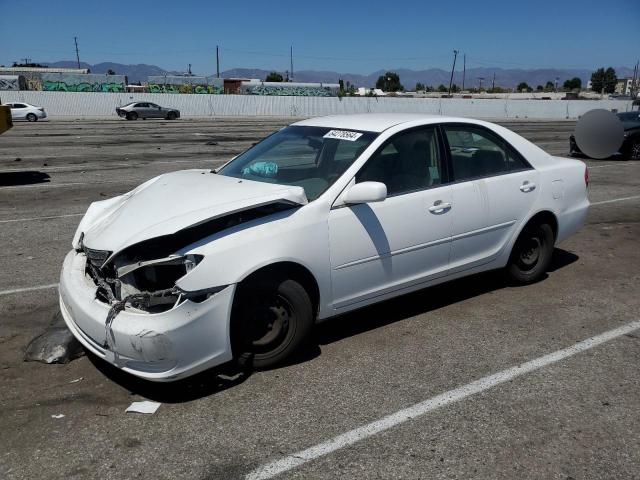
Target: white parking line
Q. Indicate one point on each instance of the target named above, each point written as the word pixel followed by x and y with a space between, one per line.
pixel 28 289
pixel 603 202
pixel 30 219
pixel 294 460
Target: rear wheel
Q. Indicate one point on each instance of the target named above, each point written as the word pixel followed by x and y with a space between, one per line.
pixel 272 318
pixel 132 116
pixel 32 117
pixel 531 254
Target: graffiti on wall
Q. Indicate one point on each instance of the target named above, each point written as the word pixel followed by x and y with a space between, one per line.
pixel 185 84
pixel 292 89
pixel 60 82
pixel 11 82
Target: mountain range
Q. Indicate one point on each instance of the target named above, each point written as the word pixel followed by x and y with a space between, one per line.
pixel 508 78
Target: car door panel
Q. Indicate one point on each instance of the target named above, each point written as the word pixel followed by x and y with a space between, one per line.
pixel 380 247
pixel 491 206
pixel 390 245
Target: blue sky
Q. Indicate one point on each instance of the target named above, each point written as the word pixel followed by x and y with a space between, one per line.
pixel 346 36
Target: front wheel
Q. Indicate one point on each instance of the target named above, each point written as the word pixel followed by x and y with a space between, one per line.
pixel 171 116
pixel 32 117
pixel 531 254
pixel 272 318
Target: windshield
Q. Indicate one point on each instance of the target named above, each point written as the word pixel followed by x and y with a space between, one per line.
pixel 310 157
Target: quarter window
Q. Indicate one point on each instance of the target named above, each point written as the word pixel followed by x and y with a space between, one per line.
pixel 408 161
pixel 476 153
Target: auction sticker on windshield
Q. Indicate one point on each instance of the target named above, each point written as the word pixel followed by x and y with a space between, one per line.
pixel 343 135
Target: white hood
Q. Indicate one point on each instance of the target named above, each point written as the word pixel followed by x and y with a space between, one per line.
pixel 172 202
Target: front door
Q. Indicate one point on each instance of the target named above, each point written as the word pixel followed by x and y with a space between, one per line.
pixel 383 247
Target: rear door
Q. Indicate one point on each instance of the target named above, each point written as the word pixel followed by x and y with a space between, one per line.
pixel 494 188
pixel 143 110
pixel 383 247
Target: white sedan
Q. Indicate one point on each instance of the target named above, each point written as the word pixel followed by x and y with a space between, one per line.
pixel 26 111
pixel 196 268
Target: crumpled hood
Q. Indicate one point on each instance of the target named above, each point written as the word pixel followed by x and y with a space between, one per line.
pixel 172 202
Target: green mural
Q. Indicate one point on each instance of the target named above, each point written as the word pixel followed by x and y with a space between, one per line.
pixel 60 82
pixel 185 84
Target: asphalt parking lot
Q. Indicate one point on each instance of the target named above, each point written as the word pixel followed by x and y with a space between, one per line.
pixel 572 418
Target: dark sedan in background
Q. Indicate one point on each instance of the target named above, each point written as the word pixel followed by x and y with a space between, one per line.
pixel 144 110
pixel 630 148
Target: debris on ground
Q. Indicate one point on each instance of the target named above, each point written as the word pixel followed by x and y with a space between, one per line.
pixel 145 406
pixel 55 345
pixel 77 380
pixel 58 415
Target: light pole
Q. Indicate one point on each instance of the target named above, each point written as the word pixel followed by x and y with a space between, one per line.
pixel 455 55
pixel 480 79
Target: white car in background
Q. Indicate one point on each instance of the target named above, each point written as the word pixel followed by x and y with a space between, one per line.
pixel 26 111
pixel 197 267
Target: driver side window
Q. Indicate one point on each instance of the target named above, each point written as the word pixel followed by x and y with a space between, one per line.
pixel 409 161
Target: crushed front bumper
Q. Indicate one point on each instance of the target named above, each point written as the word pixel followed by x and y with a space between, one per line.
pixel 166 346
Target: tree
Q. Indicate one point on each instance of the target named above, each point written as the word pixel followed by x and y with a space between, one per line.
pixel 603 79
pixel 442 88
pixel 572 84
pixel 274 77
pixel 539 88
pixel 549 86
pixel 389 82
pixel 420 87
pixel 523 86
pixel 455 88
pixel 111 72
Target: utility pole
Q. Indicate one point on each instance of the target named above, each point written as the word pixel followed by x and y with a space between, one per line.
pixel 464 69
pixel 75 39
pixel 455 54
pixel 189 71
pixel 291 58
pixel 493 84
pixel 480 79
pixel 217 61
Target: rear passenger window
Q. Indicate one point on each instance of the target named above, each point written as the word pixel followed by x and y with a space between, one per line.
pixel 475 152
pixel 409 161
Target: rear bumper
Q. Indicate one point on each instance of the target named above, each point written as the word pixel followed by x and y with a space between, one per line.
pixel 166 346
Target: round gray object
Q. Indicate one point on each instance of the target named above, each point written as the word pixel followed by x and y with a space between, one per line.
pixel 599 133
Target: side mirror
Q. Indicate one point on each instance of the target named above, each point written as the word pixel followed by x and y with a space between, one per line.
pixel 365 192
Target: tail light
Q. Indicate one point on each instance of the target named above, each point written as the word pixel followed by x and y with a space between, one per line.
pixel 586 176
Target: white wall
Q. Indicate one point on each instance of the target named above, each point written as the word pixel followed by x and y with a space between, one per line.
pixel 81 104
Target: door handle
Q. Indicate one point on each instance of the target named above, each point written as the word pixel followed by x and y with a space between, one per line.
pixel 440 207
pixel 527 186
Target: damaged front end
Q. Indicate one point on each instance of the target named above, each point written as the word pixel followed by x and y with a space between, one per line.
pixel 143 277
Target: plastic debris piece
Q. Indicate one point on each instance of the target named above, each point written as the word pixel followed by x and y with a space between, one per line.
pixel 77 380
pixel 145 406
pixel 58 415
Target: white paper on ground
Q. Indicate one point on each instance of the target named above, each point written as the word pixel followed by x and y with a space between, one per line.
pixel 143 407
pixel 58 415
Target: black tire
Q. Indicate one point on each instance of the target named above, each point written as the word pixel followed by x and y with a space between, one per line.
pixel 171 116
pixel 132 116
pixel 531 254
pixel 272 318
pixel 32 117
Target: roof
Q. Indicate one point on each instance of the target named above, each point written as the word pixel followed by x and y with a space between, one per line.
pixel 42 70
pixel 371 122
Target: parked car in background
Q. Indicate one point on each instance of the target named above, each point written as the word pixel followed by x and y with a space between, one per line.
pixel 194 268
pixel 144 110
pixel 26 111
pixel 630 148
